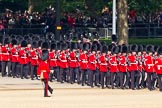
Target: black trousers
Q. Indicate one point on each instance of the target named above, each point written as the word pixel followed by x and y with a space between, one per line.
pixel 108 79
pixel 4 64
pixel 143 78
pixel 74 74
pixel 83 76
pixel 14 69
pixel 160 81
pixel 33 71
pixel 127 82
pixel 24 70
pixel 151 78
pixel 103 79
pixel 46 87
pixel 64 74
pixel 122 78
pixel 135 77
pixel 112 78
pixel 93 77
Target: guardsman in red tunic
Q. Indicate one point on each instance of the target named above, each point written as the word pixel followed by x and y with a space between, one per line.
pixel 73 63
pixel 84 62
pixel 158 66
pixel 123 66
pixel 143 80
pixel 23 60
pixel 92 65
pixel 43 71
pixel 53 62
pixel 63 57
pixel 34 60
pixel 108 64
pixel 113 65
pixel 140 67
pixel 103 66
pixel 149 63
pixel 97 74
pixel 155 55
pixel 14 58
pixel 6 58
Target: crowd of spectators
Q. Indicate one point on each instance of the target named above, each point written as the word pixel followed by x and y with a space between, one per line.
pixel 46 19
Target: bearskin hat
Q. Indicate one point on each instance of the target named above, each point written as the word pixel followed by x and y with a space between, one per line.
pixel 110 47
pixel 45 45
pixel 53 46
pixel 14 42
pixel 94 42
pixel 160 51
pixel 120 48
pixel 103 43
pixel 114 38
pixel 86 47
pixel 140 48
pixel 104 49
pixel 150 48
pixel 6 41
pixel 124 49
pixel 73 45
pixel 45 55
pixel 34 44
pixel 24 43
pixel 144 48
pixel 134 48
pixel 58 46
pixel 156 47
pixel 64 46
pixel 94 48
pixel 115 50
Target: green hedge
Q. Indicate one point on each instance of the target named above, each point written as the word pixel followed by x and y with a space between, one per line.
pixel 153 41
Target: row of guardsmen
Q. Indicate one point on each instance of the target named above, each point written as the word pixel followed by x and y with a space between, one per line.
pixel 93 64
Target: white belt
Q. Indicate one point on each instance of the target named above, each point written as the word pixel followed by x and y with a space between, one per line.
pixel 53 59
pixel 64 60
pixel 103 64
pixel 23 57
pixel 85 61
pixel 34 58
pixel 15 55
pixel 150 64
pixel 5 53
pixel 133 63
pixel 114 64
pixel 93 62
pixel 73 60
pixel 123 64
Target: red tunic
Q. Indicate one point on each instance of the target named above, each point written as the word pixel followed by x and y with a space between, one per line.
pixel 149 62
pixel 122 64
pixel 158 66
pixel 52 59
pixel 23 59
pixel 63 61
pixel 33 58
pixel 44 69
pixel 14 55
pixel 113 64
pixel 83 61
pixel 73 60
pixel 103 64
pixel 92 62
pixel 133 63
pixel 5 54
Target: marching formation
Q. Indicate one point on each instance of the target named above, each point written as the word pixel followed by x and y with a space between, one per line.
pixel 86 63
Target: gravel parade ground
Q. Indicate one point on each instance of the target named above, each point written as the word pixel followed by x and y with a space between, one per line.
pixel 23 93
